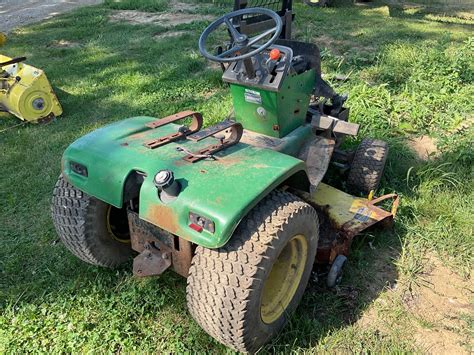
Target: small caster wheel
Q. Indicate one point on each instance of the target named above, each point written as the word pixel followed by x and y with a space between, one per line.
pixel 335 273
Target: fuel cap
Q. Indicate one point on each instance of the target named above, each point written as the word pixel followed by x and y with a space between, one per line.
pixel 163 179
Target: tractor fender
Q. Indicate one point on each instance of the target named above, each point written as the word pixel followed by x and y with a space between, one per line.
pixel 221 190
pixel 223 206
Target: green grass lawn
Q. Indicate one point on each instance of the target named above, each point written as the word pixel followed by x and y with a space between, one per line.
pixel 410 73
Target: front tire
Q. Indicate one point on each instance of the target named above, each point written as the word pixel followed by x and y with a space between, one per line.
pixel 242 294
pixel 92 230
pixel 368 166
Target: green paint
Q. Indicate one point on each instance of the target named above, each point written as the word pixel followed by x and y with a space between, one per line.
pixel 285 110
pixel 223 190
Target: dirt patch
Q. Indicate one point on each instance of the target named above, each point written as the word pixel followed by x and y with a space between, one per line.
pixel 208 94
pixel 170 34
pixel 163 19
pixel 440 306
pixel 385 272
pixel 434 312
pixel 64 44
pixel 178 6
pixel 383 280
pixel 424 147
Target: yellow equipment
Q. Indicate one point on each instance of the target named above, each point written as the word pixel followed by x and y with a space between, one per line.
pixel 26 92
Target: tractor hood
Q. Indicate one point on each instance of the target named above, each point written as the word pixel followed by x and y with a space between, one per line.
pixel 221 190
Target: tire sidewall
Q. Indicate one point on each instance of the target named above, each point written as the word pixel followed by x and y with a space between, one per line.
pixel 80 221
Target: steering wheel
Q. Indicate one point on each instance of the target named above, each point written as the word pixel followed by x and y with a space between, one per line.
pixel 242 43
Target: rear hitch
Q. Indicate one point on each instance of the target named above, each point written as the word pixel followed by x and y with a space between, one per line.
pixel 159 250
pixel 152 261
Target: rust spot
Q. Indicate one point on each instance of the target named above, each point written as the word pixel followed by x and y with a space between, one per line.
pixel 180 162
pixel 228 160
pixel 163 217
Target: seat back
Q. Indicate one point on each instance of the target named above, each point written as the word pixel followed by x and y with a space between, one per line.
pixel 252 24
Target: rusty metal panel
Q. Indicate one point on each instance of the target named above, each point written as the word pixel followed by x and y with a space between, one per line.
pixel 112 153
pixel 317 154
pixel 182 257
pixel 158 249
pixel 343 216
pixel 151 262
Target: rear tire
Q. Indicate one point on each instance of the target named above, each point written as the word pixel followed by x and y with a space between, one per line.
pixel 367 166
pixel 83 225
pixel 227 293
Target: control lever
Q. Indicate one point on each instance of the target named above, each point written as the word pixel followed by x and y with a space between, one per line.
pixel 273 59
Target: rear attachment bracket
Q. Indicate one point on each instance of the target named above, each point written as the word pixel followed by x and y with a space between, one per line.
pixel 183 131
pixel 159 250
pixel 232 132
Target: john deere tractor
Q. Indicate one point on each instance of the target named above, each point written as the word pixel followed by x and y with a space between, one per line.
pixel 238 208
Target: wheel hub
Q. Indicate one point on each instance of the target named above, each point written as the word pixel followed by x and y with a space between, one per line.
pixel 284 279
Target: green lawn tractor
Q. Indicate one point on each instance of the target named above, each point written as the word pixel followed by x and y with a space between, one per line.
pixel 238 208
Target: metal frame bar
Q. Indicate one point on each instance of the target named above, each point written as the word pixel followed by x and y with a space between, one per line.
pixel 253 25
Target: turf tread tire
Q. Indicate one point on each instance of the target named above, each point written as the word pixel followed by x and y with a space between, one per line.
pixel 224 284
pixel 367 166
pixel 79 220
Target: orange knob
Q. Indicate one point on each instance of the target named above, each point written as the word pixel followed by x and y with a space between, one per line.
pixel 275 54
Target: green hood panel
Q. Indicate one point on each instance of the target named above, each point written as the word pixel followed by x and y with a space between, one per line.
pixel 223 190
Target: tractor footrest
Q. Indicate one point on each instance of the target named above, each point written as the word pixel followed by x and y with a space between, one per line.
pixel 184 131
pixel 232 132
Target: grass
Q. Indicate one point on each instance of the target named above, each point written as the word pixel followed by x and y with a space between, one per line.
pixel 409 74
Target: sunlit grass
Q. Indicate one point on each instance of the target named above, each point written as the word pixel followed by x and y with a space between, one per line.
pixel 408 75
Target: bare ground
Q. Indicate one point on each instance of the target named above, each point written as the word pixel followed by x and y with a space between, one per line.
pixel 435 310
pixel 179 13
pixel 424 147
pixel 164 19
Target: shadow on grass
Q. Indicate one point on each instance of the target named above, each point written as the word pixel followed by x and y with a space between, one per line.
pixel 447 14
pixel 371 267
pixel 120 71
pixel 370 270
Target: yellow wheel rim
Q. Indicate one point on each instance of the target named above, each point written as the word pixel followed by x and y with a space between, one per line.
pixel 115 232
pixel 284 279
